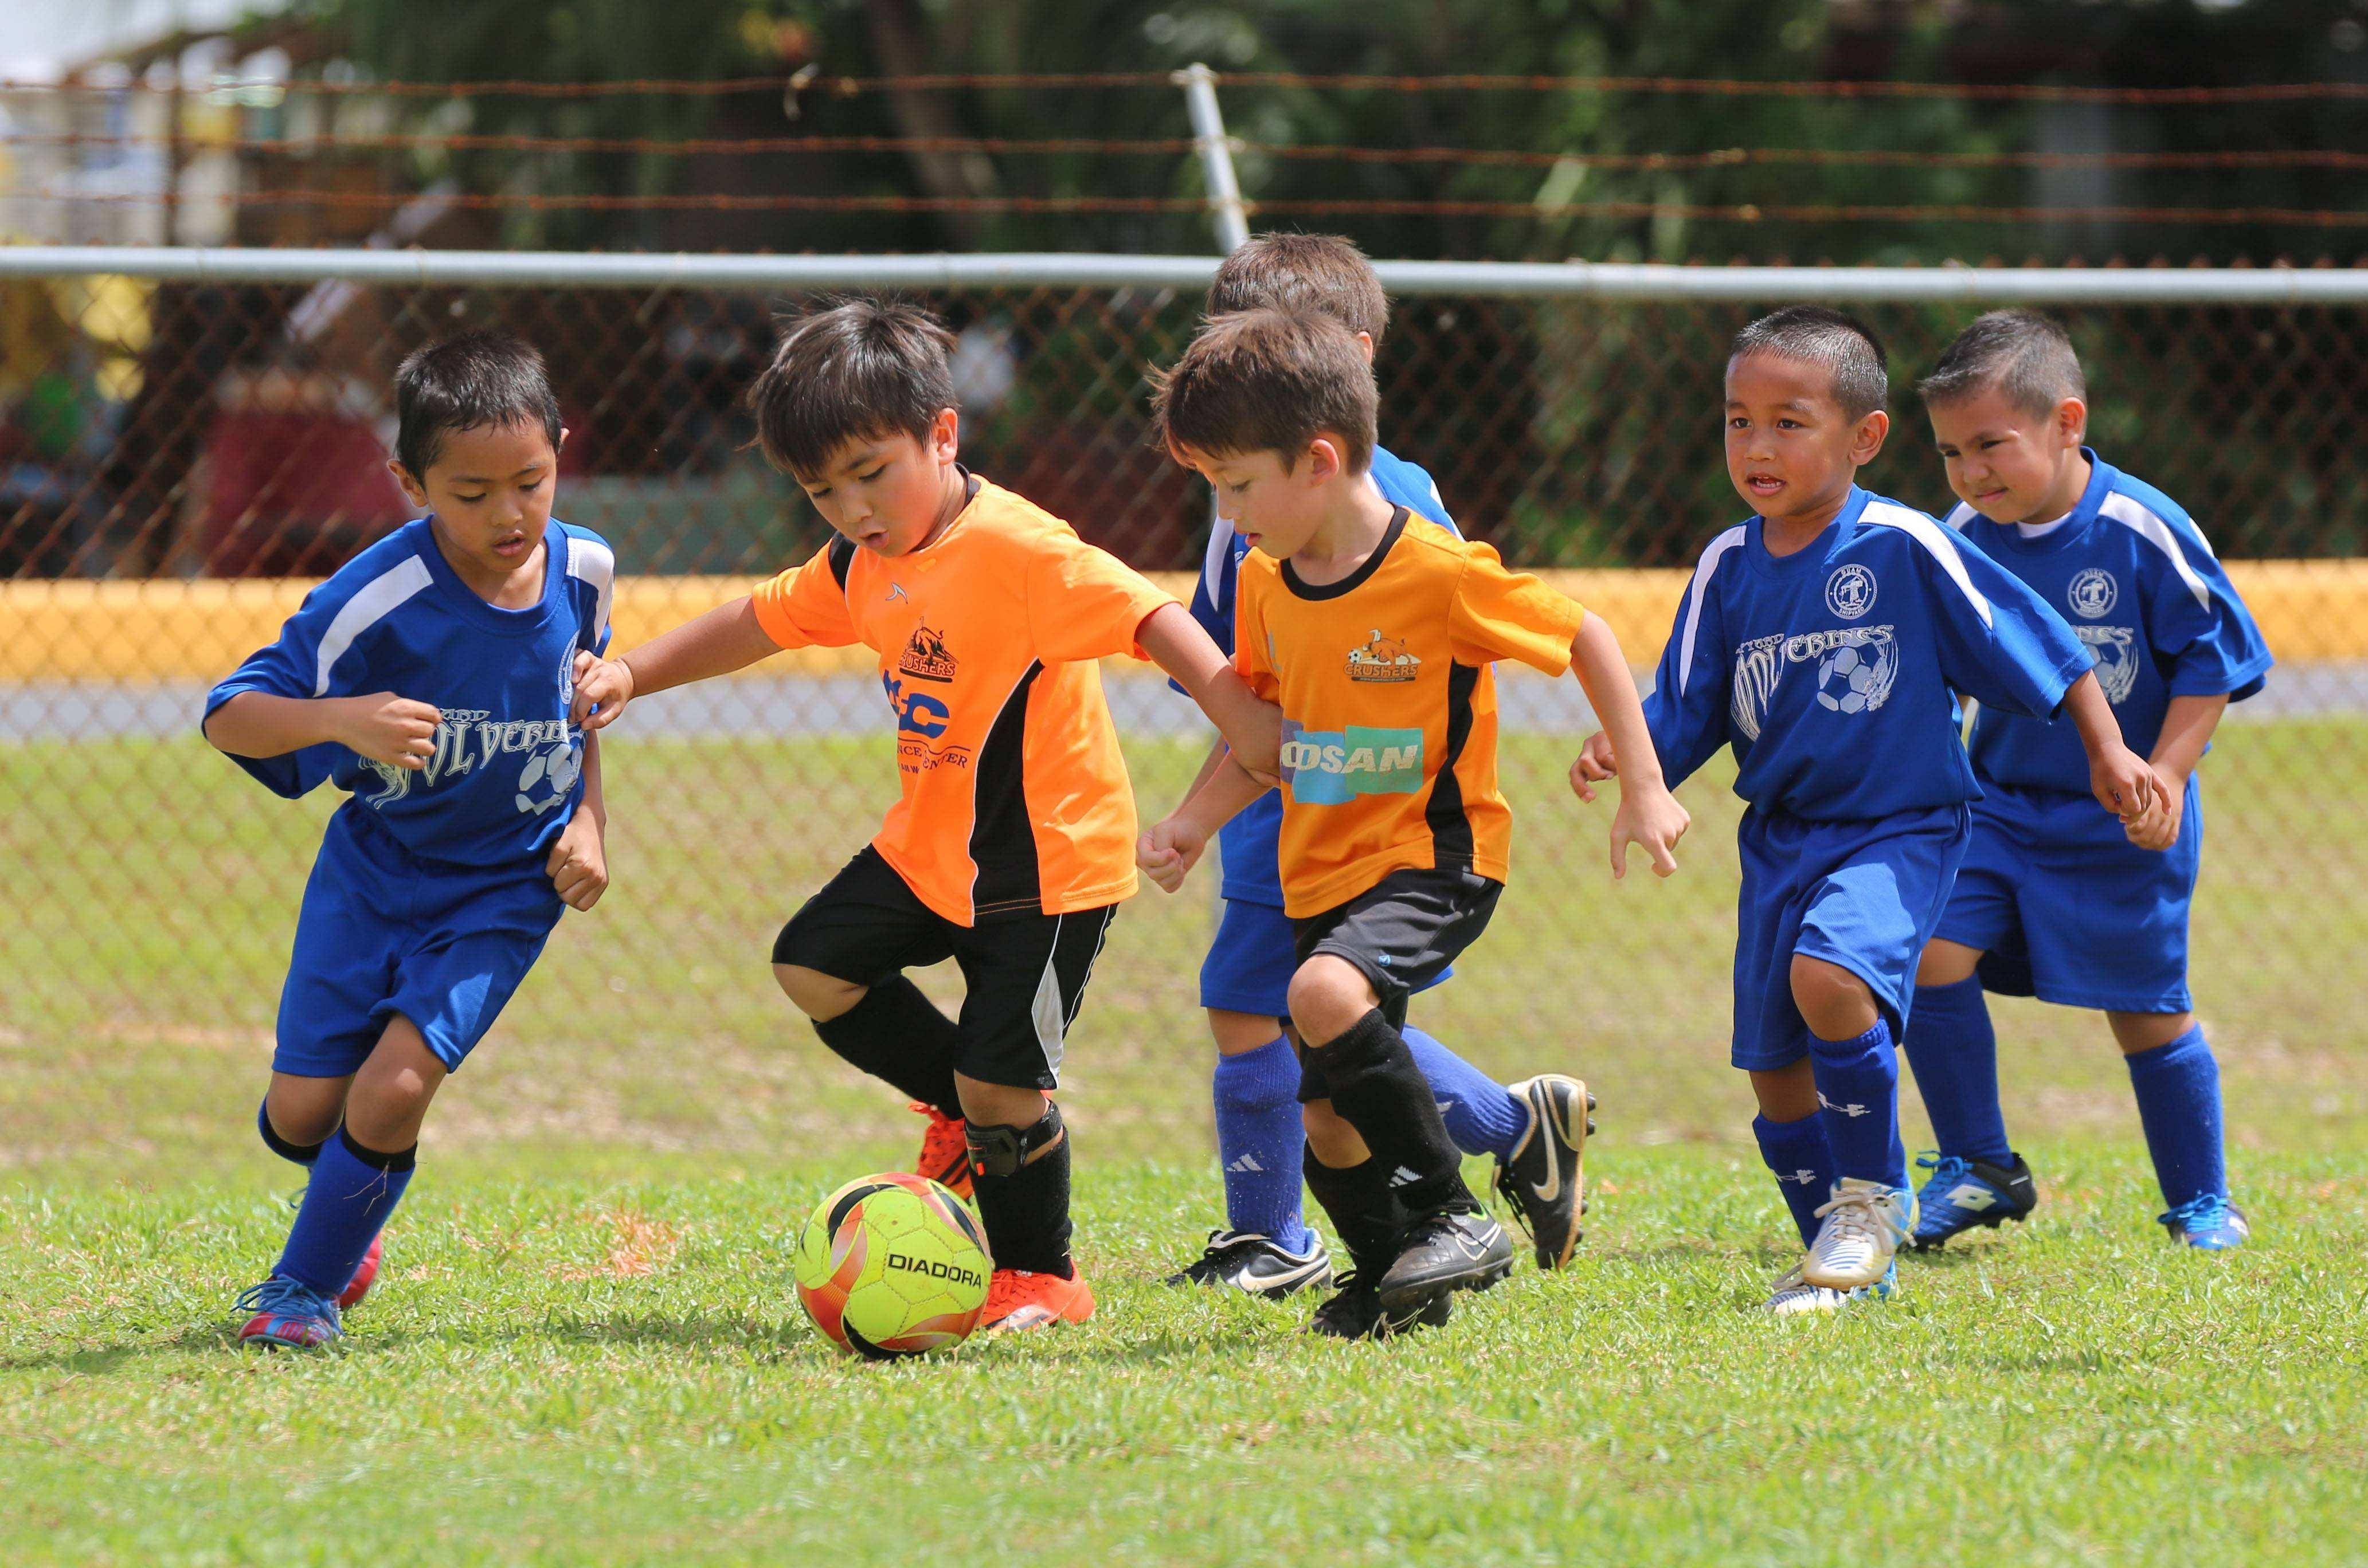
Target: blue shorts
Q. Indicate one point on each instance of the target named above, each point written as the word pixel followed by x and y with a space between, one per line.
pixel 1251 960
pixel 1865 895
pixel 383 931
pixel 2064 907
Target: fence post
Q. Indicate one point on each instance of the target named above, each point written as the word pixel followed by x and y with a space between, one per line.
pixel 1200 84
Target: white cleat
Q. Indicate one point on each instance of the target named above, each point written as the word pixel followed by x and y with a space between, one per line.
pixel 1864 1223
pixel 1792 1296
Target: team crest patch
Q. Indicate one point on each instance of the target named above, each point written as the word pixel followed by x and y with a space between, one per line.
pixel 925 656
pixel 1383 660
pixel 2092 593
pixel 1850 592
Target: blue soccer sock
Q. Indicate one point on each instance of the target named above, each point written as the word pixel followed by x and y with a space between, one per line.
pixel 1260 1141
pixel 1953 1051
pixel 1802 1163
pixel 297 1154
pixel 352 1191
pixel 1483 1116
pixel 2178 1087
pixel 1858 1085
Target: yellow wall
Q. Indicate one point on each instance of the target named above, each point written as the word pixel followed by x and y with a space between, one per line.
pixel 199 630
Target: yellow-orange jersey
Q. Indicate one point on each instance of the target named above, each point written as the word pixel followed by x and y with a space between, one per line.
pixel 1389 706
pixel 1015 797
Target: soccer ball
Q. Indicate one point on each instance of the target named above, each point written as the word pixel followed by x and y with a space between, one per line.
pixel 893 1264
pixel 1860 674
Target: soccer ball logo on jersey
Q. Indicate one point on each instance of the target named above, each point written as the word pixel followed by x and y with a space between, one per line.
pixel 1329 768
pixel 1856 667
pixel 1850 592
pixel 470 738
pixel 1382 661
pixel 2115 649
pixel 2092 594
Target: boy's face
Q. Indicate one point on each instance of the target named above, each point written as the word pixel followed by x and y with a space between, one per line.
pixel 1790 450
pixel 2011 463
pixel 490 489
pixel 887 493
pixel 1277 510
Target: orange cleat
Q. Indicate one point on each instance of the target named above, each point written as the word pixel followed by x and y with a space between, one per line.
pixel 945 1150
pixel 365 1276
pixel 1018 1298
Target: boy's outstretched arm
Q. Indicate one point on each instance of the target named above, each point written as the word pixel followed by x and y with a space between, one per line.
pixel 725 639
pixel 1174 844
pixel 578 866
pixel 1252 727
pixel 384 728
pixel 2187 729
pixel 2122 782
pixel 1649 816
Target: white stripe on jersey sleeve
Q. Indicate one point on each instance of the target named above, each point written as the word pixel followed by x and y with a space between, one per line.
pixel 590 560
pixel 2142 520
pixel 1221 547
pixel 1703 571
pixel 379 597
pixel 1935 539
pixel 1959 515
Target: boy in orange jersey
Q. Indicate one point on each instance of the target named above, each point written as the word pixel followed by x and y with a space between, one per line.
pixel 1375 629
pixel 1009 846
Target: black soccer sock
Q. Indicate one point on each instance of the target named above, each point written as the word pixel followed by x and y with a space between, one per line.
pixel 1363 1209
pixel 1022 1187
pixel 1377 1089
pixel 302 1154
pixel 897 1034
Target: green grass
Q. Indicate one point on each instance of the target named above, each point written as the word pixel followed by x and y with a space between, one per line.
pixel 586 1348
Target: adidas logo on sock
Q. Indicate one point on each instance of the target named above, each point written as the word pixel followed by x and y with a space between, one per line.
pixel 1403 1176
pixel 1445 1106
pixel 1803 1178
pixel 1248 1165
pixel 1849 1111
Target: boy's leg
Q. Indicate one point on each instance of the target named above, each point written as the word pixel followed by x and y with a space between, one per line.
pixel 2177 1081
pixel 1977 1178
pixel 1791 1130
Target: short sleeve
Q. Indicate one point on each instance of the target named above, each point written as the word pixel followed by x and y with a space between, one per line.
pixel 805 607
pixel 1502 614
pixel 1084 603
pixel 2000 644
pixel 1686 711
pixel 2202 635
pixel 1251 656
pixel 321 652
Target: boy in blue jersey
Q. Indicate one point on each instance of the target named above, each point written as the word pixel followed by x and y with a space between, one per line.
pixel 430 679
pixel 1535 1129
pixel 2053 901
pixel 1826 639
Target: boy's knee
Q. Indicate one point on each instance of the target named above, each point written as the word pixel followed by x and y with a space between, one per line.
pixel 1330 1137
pixel 1834 1003
pixel 1328 994
pixel 1946 963
pixel 1238 1034
pixel 819 996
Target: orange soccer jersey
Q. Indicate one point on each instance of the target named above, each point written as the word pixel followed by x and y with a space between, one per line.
pixel 1015 797
pixel 1389 706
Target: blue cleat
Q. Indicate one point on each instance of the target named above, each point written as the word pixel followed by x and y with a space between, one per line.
pixel 2209 1223
pixel 1962 1194
pixel 287 1315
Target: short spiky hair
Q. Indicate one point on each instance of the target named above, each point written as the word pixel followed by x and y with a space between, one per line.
pixel 2023 354
pixel 1289 272
pixel 1844 345
pixel 1268 381
pixel 474 382
pixel 856 371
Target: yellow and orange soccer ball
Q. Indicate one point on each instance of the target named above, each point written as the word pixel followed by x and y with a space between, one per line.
pixel 893 1264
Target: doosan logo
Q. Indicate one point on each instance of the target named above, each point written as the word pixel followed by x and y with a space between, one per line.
pixel 905 1263
pixel 1325 768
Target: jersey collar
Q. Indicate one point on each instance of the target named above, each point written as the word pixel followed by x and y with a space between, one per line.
pixel 2101 475
pixel 1348 584
pixel 1835 535
pixel 464 599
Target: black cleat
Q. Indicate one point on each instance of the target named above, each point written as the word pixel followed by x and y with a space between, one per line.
pixel 1258 1265
pixel 1356 1313
pixel 1962 1194
pixel 1440 1253
pixel 1544 1180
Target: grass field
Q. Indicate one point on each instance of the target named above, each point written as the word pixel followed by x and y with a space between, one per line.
pixel 586 1349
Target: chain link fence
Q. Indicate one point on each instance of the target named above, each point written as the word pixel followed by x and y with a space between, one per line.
pixel 178 457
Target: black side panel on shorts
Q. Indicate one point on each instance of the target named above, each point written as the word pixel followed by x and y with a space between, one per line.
pixel 1002 838
pixel 1451 830
pixel 842 557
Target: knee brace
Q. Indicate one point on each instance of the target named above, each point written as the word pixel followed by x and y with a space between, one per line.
pixel 1001 1151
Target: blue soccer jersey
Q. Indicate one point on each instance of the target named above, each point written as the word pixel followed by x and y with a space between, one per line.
pixel 2142 588
pixel 1249 843
pixel 506 771
pixel 1833 672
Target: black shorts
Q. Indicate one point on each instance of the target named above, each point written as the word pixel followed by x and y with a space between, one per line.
pixel 1401 933
pixel 1026 974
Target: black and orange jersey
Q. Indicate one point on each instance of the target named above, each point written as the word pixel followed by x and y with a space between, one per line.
pixel 1015 797
pixel 1389 706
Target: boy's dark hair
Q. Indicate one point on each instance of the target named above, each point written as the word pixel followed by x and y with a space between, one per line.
pixel 859 370
pixel 1844 345
pixel 2023 354
pixel 474 382
pixel 1268 381
pixel 1292 272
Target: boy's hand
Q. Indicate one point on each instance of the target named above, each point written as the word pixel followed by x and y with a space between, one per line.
pixel 603 686
pixel 2124 783
pixel 579 862
pixel 2158 828
pixel 387 729
pixel 1168 850
pixel 1594 765
pixel 1650 818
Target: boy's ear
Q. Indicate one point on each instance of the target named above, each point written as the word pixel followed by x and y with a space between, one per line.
pixel 1867 440
pixel 945 435
pixel 1365 342
pixel 2072 421
pixel 1324 459
pixel 413 491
